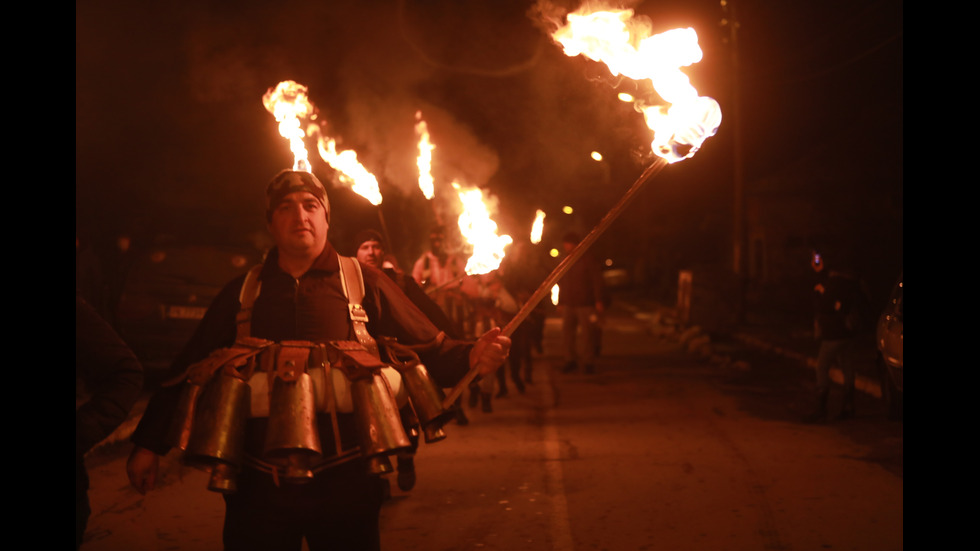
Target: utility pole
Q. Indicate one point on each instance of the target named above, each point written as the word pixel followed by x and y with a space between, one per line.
pixel 739 248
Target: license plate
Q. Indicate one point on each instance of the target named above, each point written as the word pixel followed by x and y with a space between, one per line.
pixel 186 312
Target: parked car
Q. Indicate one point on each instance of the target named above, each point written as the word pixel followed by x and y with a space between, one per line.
pixel 166 291
pixel 889 338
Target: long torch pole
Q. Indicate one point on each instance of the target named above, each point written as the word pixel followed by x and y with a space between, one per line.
pixel 384 230
pixel 545 288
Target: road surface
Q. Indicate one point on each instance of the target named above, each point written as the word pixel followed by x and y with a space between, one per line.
pixel 658 450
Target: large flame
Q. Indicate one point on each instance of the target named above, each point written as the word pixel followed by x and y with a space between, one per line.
pixel 625 45
pixel 288 103
pixel 426 182
pixel 537 227
pixel 351 172
pixel 480 232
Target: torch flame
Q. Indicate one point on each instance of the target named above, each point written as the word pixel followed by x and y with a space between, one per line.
pixel 351 172
pixel 537 227
pixel 288 102
pixel 625 45
pixel 426 183
pixel 480 232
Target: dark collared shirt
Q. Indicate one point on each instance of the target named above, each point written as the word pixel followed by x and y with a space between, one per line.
pixel 312 308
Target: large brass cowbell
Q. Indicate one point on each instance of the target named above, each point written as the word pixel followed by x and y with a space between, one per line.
pixel 217 439
pixel 292 433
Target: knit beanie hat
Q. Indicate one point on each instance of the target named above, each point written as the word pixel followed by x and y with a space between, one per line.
pixel 290 181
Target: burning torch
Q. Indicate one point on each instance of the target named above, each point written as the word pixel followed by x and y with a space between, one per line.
pixel 289 102
pixel 626 46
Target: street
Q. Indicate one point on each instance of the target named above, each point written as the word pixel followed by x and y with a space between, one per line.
pixel 658 450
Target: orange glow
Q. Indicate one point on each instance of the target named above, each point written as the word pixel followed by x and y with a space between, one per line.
pixel 351 172
pixel 480 232
pixel 627 47
pixel 426 183
pixel 537 227
pixel 288 103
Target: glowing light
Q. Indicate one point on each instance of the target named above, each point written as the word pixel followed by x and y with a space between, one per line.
pixel 554 295
pixel 609 262
pixel 627 46
pixel 350 171
pixel 596 156
pixel 480 232
pixel 426 183
pixel 537 227
pixel 623 96
pixel 288 103
pixel 567 209
pixel 554 253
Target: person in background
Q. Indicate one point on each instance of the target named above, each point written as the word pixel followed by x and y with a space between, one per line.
pixel 521 272
pixel 491 305
pixel 841 313
pixel 370 250
pixel 580 303
pixel 439 273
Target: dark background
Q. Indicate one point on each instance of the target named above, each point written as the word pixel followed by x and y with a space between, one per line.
pixel 172 140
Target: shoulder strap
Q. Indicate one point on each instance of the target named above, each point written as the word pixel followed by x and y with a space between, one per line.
pixel 250 291
pixel 352 281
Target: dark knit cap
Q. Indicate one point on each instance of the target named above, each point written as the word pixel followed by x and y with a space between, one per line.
pixel 364 236
pixel 290 181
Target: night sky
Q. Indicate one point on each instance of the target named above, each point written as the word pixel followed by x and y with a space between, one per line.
pixel 171 133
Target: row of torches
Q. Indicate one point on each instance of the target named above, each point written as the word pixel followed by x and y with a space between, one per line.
pixel 218 398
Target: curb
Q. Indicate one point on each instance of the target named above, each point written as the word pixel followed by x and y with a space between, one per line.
pixel 664 324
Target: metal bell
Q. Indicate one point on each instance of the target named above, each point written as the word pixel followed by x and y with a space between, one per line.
pixel 292 432
pixel 379 424
pixel 183 419
pixel 433 434
pixel 379 465
pixel 427 399
pixel 217 439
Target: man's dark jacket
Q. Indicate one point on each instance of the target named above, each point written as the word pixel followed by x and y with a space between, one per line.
pixel 311 308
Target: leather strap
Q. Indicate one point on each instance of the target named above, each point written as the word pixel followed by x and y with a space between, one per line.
pixel 352 281
pixel 250 291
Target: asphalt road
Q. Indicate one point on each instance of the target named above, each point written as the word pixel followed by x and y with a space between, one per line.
pixel 660 449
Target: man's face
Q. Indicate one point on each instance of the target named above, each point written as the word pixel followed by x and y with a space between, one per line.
pixel 299 225
pixel 371 253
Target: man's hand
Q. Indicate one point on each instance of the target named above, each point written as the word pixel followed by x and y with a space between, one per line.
pixel 490 351
pixel 142 469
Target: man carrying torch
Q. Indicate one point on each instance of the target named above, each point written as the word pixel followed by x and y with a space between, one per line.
pixel 301 294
